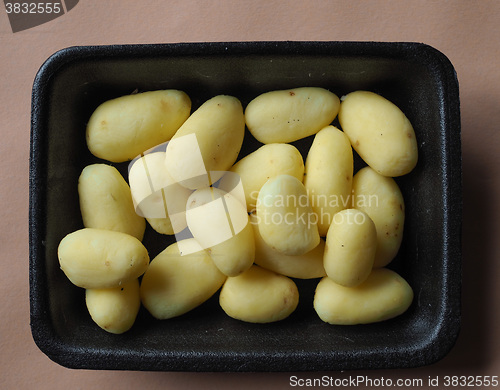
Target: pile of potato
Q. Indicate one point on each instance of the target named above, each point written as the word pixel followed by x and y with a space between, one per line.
pixel 246 227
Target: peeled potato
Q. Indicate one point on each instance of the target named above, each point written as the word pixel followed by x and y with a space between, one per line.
pixel 383 295
pixel 96 258
pixel 114 309
pixel 289 115
pixel 328 175
pixel 380 197
pixel 380 132
pixel 156 195
pixel 179 279
pixel 207 144
pixel 351 243
pixel 306 266
pixel 121 129
pixel 259 296
pixel 106 201
pixel 285 218
pixel 219 222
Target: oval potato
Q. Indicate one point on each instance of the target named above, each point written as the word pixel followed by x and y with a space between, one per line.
pixel 380 132
pixel 383 295
pixel 207 144
pixel 219 222
pixel 328 175
pixel 289 115
pixel 96 258
pixel 156 195
pixel 114 309
pixel 380 197
pixel 121 129
pixel 180 278
pixel 106 201
pixel 259 296
pixel 306 266
pixel 351 243
pixel 285 218
pixel 266 162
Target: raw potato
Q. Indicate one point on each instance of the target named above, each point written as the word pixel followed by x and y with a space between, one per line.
pixel 114 309
pixel 380 133
pixel 121 129
pixel 259 296
pixel 380 198
pixel 96 258
pixel 382 296
pixel 235 255
pixel 266 162
pixel 306 266
pixel 175 283
pixel 207 144
pixel 285 218
pixel 219 222
pixel 328 175
pixel 288 115
pixel 351 243
pixel 106 201
pixel 156 195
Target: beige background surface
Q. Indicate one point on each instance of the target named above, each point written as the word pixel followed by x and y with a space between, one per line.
pixel 468 32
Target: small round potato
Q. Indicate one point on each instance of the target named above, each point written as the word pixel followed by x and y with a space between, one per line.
pixel 121 129
pixel 383 295
pixel 96 258
pixel 306 266
pixel 259 296
pixel 114 309
pixel 285 218
pixel 156 195
pixel 219 222
pixel 179 279
pixel 266 162
pixel 380 133
pixel 106 201
pixel 380 197
pixel 351 243
pixel 289 115
pixel 328 175
pixel 207 144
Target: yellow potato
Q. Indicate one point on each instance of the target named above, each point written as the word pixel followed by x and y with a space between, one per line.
pixel 259 296
pixel 207 144
pixel 289 115
pixel 176 283
pixel 156 195
pixel 114 309
pixel 96 258
pixel 351 243
pixel 266 162
pixel 219 222
pixel 285 218
pixel 380 132
pixel 121 129
pixel 380 197
pixel 383 295
pixel 306 266
pixel 106 201
pixel 328 175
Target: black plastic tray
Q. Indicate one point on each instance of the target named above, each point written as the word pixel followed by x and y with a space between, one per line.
pixel 416 77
